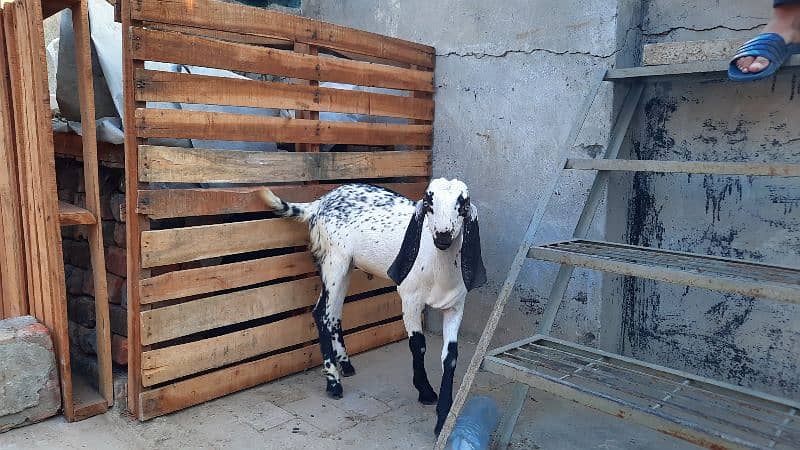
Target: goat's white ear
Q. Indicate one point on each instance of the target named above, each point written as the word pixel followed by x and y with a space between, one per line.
pixel 472 269
pixel 407 255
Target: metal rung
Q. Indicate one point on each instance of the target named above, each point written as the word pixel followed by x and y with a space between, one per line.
pixel 702 167
pixel 700 67
pixel 710 272
pixel 706 412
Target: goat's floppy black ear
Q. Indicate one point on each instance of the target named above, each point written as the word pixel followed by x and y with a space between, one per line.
pixel 472 269
pixel 404 261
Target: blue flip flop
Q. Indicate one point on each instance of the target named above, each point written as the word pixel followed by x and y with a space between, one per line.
pixel 768 45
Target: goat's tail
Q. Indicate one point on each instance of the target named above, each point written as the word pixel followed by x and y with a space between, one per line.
pixel 299 211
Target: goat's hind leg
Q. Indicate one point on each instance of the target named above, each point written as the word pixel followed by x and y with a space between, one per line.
pixel 412 318
pixel 328 318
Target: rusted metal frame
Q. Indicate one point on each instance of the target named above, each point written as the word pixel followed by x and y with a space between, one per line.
pixel 785 292
pixel 618 133
pixel 516 267
pixel 670 70
pixel 653 419
pixel 700 167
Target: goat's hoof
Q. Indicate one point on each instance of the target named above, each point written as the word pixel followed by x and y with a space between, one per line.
pixel 428 398
pixel 334 390
pixel 347 369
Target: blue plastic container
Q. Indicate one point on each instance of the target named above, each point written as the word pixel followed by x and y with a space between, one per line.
pixel 475 425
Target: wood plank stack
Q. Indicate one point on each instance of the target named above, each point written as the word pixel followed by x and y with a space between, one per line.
pixel 32 279
pixel 220 290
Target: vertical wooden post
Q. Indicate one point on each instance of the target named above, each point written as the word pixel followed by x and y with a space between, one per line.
pixel 313 115
pixel 83 55
pixel 36 165
pixel 136 223
pixel 13 288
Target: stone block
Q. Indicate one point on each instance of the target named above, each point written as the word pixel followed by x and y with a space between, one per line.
pixel 116 261
pixel 119 235
pixel 30 390
pixel 81 311
pixel 119 349
pixel 116 288
pixel 118 317
pixel 116 206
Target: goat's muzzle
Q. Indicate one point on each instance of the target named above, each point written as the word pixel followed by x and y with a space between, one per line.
pixel 443 241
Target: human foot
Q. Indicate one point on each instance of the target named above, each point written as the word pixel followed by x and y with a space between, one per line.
pixel 786 23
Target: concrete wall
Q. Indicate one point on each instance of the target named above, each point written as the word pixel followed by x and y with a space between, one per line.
pixel 743 340
pixel 510 76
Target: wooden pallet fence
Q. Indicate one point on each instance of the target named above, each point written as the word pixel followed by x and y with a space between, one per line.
pixel 220 291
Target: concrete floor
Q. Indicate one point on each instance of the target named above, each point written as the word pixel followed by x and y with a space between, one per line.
pixel 379 411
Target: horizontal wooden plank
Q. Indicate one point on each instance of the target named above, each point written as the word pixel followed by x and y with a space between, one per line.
pixel 166 203
pixel 162 365
pixel 193 391
pixel 202 280
pixel 174 123
pixel 162 324
pixel 155 86
pixel 702 167
pixel 283 44
pixel 211 14
pixel 184 165
pixel 177 245
pixel 179 48
pixel 70 145
pixel 69 214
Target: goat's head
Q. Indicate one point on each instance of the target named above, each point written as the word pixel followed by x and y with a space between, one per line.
pixel 446 205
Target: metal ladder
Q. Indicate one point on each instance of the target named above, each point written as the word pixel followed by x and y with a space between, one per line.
pixel 703 411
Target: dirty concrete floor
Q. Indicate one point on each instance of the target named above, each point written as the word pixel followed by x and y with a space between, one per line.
pixel 379 411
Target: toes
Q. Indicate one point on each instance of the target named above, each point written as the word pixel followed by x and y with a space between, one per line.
pixel 744 63
pixel 758 65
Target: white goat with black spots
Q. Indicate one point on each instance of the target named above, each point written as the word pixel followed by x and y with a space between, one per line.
pixel 381 233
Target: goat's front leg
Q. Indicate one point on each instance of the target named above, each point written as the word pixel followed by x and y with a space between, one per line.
pixel 412 318
pixel 450 325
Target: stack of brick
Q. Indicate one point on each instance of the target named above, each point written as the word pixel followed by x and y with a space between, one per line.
pixel 77 265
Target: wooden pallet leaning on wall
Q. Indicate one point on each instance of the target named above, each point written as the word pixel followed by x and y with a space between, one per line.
pixel 31 261
pixel 29 109
pixel 220 291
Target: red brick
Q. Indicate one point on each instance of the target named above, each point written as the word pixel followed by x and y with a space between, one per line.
pixel 105 207
pixel 77 253
pixel 116 287
pixel 81 311
pixel 74 278
pixel 117 204
pixel 118 317
pixel 119 235
pixel 116 261
pixel 88 283
pixel 108 232
pixel 119 349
